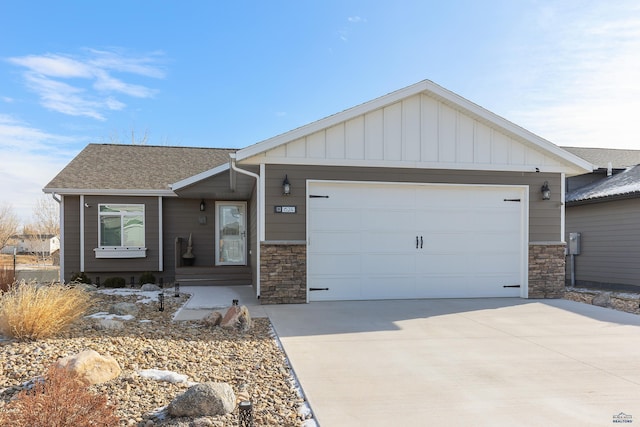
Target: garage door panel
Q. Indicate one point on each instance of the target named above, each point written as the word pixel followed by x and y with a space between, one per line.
pixel 389 287
pixel 335 219
pixel 332 241
pixel 382 263
pixel 471 242
pixel 401 219
pixel 339 288
pixel 327 264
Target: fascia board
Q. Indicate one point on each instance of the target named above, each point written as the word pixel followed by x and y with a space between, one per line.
pixel 109 192
pixel 439 93
pixel 420 165
pixel 329 121
pixel 199 177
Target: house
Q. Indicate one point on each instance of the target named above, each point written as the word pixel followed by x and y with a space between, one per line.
pixel 417 194
pixel 43 245
pixel 603 207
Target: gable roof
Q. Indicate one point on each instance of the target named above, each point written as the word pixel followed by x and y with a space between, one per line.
pixel 423 126
pixel 625 184
pixel 601 157
pixel 129 169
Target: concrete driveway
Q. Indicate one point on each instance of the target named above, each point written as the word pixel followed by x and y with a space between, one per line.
pixel 463 362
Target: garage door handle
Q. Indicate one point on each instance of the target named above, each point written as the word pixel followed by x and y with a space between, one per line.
pixel 420 242
pixel 416 242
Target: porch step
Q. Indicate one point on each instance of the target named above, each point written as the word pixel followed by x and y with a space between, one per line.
pixel 214 276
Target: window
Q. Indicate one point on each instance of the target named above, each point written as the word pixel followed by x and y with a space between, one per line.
pixel 121 231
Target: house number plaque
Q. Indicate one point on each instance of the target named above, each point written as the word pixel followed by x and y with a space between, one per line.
pixel 285 209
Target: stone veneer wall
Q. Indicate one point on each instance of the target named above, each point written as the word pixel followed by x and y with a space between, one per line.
pixel 283 273
pixel 546 270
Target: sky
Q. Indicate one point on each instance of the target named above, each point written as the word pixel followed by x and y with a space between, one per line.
pixel 232 73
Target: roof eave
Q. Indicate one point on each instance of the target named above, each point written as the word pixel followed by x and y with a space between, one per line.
pixel 199 177
pixel 574 162
pixel 109 192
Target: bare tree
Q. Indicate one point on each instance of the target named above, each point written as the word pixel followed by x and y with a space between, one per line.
pixel 45 225
pixel 9 224
pixel 116 138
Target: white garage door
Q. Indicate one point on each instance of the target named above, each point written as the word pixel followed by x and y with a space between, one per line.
pixel 398 241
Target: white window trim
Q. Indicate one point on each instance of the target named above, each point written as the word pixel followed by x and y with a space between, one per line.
pixel 121 251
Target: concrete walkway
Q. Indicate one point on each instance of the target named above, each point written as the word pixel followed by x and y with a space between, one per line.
pixel 480 362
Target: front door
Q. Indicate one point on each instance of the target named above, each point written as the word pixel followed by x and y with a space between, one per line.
pixel 231 234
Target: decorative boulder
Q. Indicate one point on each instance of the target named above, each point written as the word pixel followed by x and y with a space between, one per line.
pixel 92 366
pixel 237 317
pixel 602 300
pixel 108 324
pixel 213 319
pixel 150 287
pixel 124 309
pixel 206 399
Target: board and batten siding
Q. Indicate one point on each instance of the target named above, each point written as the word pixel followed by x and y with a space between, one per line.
pixel 610 234
pixel 417 132
pixel 122 266
pixel 544 216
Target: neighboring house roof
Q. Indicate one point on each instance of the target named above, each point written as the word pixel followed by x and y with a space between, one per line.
pixel 123 168
pixel 601 157
pixel 413 119
pixel 622 185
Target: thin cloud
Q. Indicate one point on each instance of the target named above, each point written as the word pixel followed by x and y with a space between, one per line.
pixel 86 85
pixel 356 19
pixel 583 77
pixel 31 157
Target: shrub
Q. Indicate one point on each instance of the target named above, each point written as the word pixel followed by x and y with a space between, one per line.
pixel 29 311
pixel 114 282
pixel 80 278
pixel 147 277
pixel 61 400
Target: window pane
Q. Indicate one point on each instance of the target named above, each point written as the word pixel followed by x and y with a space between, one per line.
pixel 133 230
pixel 110 231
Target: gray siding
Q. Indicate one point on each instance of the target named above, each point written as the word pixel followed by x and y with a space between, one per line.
pixel 182 217
pixel 253 235
pixel 126 265
pixel 610 251
pixel 219 187
pixel 71 236
pixel 544 216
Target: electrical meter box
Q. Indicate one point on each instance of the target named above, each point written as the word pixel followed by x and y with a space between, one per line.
pixel 574 243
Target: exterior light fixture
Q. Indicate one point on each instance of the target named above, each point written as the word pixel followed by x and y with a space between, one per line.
pixel 546 192
pixel 176 292
pixel 203 206
pixel 286 186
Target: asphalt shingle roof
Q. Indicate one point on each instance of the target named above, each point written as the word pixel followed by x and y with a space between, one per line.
pixel 625 183
pixel 600 157
pixel 136 167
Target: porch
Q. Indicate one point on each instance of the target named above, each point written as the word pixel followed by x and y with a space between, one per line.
pixel 223 275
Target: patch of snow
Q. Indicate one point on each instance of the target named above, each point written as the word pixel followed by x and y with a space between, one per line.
pixel 310 423
pixel 305 410
pixel 160 414
pixel 160 375
pixel 109 316
pixel 145 321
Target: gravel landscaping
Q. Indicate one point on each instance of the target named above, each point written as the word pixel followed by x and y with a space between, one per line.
pixel 252 363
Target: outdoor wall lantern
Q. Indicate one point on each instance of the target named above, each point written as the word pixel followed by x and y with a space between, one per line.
pixel 286 186
pixel 203 206
pixel 546 192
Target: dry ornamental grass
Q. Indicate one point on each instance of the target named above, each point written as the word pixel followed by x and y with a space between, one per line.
pixel 30 312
